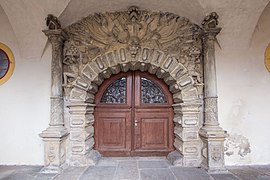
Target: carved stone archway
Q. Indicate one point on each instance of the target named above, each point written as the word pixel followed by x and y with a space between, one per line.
pixel 107 43
pixel 175 75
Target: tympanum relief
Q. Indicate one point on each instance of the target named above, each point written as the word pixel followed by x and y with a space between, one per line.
pixel 127 34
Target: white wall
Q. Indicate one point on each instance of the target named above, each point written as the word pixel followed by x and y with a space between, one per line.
pixel 24 104
pixel 244 96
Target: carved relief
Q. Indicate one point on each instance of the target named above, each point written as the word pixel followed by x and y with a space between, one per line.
pixel 210 21
pixel 211 111
pixel 216 153
pixel 130 33
pixel 51 155
pixel 56 111
pixel 52 22
pixel 161 43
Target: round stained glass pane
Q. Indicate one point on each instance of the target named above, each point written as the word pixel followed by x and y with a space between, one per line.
pixel 4 64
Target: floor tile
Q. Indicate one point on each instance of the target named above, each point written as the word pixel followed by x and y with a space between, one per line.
pixel 71 173
pixel 156 174
pixel 224 177
pixel 98 173
pixel 262 168
pixel 247 173
pixel 20 176
pixel 127 170
pixel 183 173
pixel 43 176
pixel 107 162
pixel 153 164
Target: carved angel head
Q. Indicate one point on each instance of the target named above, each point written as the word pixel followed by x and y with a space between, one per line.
pixel 134 46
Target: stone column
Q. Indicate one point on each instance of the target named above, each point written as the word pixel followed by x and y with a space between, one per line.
pixel 54 136
pixel 211 133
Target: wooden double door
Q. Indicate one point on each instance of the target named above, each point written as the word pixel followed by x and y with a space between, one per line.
pixel 133 116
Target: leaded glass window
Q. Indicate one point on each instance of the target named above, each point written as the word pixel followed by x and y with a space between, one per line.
pixel 116 92
pixel 151 92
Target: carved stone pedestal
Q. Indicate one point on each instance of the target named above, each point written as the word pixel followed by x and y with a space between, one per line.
pixel 54 149
pixel 213 150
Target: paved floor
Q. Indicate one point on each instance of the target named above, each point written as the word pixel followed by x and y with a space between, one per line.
pixel 136 168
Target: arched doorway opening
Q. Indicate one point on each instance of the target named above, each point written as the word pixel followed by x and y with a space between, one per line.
pixel 134 116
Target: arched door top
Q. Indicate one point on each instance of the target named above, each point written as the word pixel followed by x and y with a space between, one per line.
pixel 150 90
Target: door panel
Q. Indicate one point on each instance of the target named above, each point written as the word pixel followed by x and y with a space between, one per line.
pixel 153 130
pixel 133 116
pixel 113 130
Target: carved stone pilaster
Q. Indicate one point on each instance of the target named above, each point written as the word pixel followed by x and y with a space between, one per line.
pixel 54 136
pixel 187 141
pixel 82 134
pixel 211 134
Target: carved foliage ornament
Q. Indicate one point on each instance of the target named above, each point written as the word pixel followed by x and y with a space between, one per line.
pixel 132 30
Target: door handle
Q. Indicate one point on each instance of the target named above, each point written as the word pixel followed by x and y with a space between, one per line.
pixel 136 122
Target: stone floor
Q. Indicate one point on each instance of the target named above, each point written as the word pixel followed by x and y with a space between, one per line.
pixel 150 168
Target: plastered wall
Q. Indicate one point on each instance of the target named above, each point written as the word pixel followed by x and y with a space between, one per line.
pixel 24 104
pixel 244 98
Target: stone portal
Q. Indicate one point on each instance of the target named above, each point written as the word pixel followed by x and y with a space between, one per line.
pixel 164 44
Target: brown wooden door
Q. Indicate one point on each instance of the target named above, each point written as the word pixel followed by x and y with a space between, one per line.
pixel 133 116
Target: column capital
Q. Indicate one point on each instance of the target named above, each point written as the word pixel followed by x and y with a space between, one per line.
pixel 55 35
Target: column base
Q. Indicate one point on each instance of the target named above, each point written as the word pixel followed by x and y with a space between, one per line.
pixel 54 148
pixel 213 149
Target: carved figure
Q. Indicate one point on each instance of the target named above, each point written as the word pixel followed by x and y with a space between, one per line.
pixel 52 22
pixel 134 46
pixel 210 21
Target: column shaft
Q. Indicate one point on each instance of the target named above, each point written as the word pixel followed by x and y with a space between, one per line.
pixel 56 37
